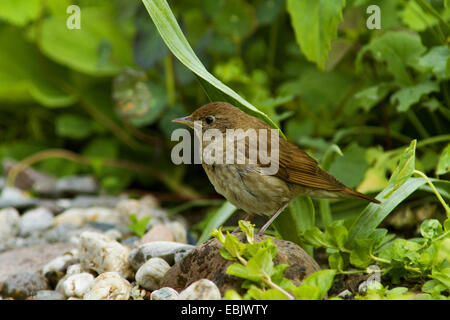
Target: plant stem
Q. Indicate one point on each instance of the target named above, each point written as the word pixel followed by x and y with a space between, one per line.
pixel 379 259
pixel 170 80
pixel 423 175
pixel 269 282
pixel 325 212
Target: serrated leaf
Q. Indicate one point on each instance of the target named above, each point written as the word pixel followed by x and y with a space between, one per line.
pixel 315 24
pixel 408 96
pixel 398 49
pixel 436 60
pixel 405 167
pixel 431 229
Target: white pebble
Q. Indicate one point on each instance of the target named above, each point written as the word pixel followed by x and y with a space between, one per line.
pixel 56 264
pixel 203 289
pixel 113 234
pixel 34 220
pixel 102 254
pixel 9 223
pixel 165 293
pixel 109 286
pixel 74 216
pixel 74 269
pixel 149 275
pixel 76 285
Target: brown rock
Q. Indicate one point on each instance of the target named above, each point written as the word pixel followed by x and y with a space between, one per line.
pixel 205 262
pixel 158 233
pixel 31 259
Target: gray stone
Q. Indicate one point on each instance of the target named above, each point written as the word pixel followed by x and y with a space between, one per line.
pixel 33 220
pixel 9 223
pixel 76 185
pixel 158 249
pixel 59 233
pixel 48 295
pixel 23 285
pixel 165 293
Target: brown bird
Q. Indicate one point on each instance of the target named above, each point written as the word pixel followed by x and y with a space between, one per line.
pixel 245 185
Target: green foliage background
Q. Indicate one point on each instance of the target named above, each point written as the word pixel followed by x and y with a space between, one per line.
pixel 100 100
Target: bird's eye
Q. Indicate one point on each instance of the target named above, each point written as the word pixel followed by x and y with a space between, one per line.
pixel 210 119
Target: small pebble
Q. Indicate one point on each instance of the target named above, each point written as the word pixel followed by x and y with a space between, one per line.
pixel 23 285
pixel 76 285
pixel 55 269
pixel 74 269
pixel 203 289
pixel 73 216
pixel 151 272
pixel 9 223
pixel 109 286
pixel 346 294
pixel 165 293
pixel 158 249
pixel 113 234
pixel 178 231
pixel 49 295
pixel 158 232
pixel 103 254
pixel 35 220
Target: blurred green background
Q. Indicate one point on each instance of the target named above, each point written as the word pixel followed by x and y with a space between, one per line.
pixel 108 91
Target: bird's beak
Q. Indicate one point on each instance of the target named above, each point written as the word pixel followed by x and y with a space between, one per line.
pixel 185 120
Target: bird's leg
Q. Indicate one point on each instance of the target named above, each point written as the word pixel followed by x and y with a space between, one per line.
pixel 247 218
pixel 264 227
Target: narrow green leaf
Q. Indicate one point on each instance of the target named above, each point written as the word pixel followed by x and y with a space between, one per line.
pixel 220 216
pixel 373 214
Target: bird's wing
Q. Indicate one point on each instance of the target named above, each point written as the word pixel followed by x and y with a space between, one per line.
pixel 296 166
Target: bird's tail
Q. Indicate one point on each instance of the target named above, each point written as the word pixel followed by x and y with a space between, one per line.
pixel 351 192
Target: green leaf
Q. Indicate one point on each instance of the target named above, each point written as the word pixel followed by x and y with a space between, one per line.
pixel 73 126
pixel 315 24
pixel 360 254
pixel 336 262
pixel 436 60
pixel 138 226
pixel 21 73
pixel 175 40
pixel 248 229
pixel 374 214
pixel 405 167
pixel 241 271
pixel 231 294
pixel 350 168
pixel 408 96
pixel 337 235
pixel 80 49
pixel 261 264
pixel 444 161
pixel 298 217
pixel 443 276
pixel 219 217
pixel 415 18
pixel 233 246
pixel 316 238
pixel 269 294
pixel 398 49
pixel 431 229
pixel 370 97
pixel 20 12
pixel 320 279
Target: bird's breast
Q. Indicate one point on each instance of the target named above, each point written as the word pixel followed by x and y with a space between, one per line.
pixel 246 188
